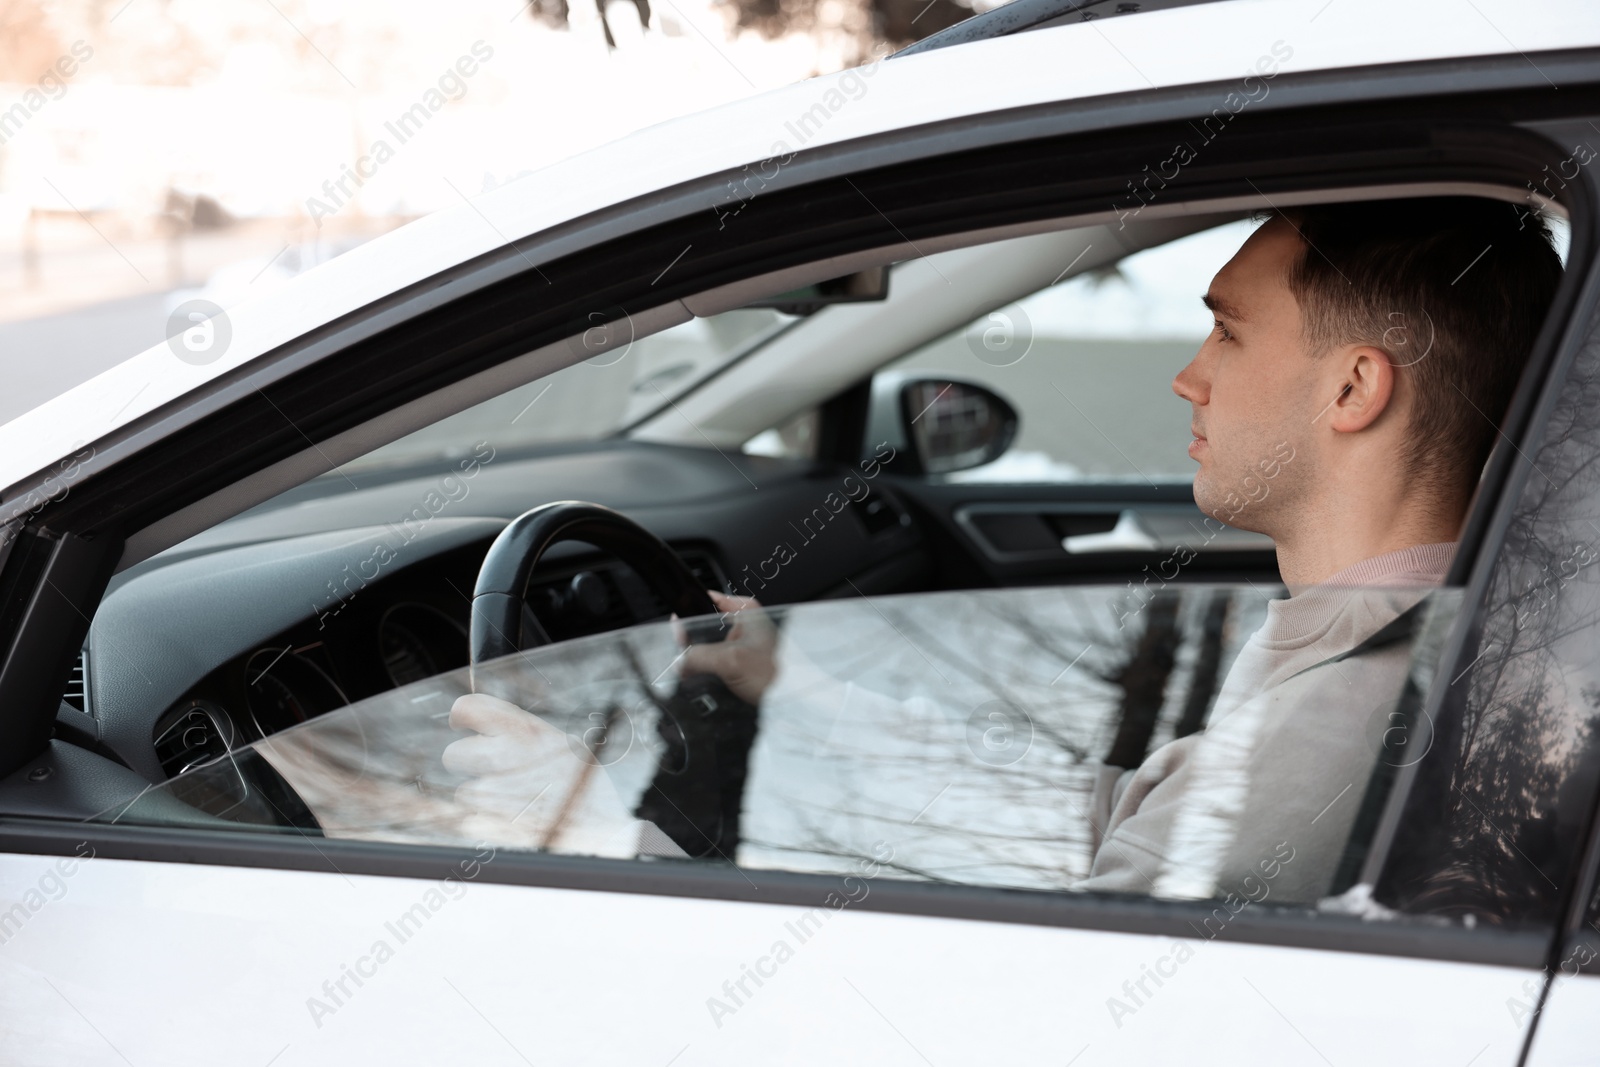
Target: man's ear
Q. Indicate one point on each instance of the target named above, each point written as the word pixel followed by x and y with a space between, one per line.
pixel 1366 388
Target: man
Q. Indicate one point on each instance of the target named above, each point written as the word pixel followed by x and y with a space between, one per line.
pixel 1364 354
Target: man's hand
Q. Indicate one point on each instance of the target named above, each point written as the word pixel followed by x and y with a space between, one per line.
pixel 746 660
pixel 508 740
pixel 531 785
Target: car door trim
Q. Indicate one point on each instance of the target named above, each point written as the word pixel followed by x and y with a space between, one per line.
pixel 1289 928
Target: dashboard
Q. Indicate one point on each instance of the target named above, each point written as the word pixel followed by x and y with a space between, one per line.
pixel 407 629
pixel 336 592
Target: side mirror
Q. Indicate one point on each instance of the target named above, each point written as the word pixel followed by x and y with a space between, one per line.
pixel 952 426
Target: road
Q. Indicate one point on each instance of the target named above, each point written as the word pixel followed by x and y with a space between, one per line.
pixel 44 357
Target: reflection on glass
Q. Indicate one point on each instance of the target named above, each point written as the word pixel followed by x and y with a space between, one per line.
pixel 981 738
pixel 1499 810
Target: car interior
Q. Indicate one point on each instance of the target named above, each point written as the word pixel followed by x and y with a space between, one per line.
pixel 771 392
pixel 992 415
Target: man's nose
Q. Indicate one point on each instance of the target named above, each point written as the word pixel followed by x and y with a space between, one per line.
pixel 1190 384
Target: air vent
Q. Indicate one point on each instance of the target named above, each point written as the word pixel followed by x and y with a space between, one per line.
pixel 194 735
pixel 77 692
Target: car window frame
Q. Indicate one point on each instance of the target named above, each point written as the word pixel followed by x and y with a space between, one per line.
pixel 1560 351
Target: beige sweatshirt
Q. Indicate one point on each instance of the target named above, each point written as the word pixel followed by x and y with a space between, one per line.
pixel 1283 764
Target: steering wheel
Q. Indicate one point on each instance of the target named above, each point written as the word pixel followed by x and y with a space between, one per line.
pixel 499 625
pixel 696 796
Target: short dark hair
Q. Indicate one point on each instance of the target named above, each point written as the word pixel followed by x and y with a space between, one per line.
pixel 1467 281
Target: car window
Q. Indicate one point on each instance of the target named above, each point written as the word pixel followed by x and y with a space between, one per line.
pixel 623 380
pixel 1500 806
pixel 1088 363
pixel 957 738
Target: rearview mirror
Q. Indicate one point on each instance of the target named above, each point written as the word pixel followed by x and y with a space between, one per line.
pixel 952 426
pixel 863 285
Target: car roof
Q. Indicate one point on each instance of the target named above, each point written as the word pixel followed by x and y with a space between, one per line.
pixel 1019 16
pixel 1189 45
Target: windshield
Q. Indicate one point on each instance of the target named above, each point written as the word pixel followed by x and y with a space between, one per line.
pixel 965 738
pixel 593 398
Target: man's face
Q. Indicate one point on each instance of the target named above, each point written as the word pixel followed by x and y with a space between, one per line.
pixel 1253 388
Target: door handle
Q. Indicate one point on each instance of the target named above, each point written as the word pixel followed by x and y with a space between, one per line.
pixel 1128 535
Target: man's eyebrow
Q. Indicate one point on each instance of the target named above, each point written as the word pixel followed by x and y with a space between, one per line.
pixel 1220 306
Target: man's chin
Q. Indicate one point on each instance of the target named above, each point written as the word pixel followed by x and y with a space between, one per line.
pixel 1238 518
pixel 1215 505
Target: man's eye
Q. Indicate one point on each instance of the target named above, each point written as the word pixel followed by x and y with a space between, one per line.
pixel 1223 331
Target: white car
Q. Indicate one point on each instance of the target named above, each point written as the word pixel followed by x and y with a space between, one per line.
pixel 889 350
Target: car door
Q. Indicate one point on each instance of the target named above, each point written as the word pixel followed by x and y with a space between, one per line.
pixel 1566 1011
pixel 904 856
pixel 148 943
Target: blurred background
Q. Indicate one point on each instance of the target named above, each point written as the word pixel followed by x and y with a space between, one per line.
pixel 156 150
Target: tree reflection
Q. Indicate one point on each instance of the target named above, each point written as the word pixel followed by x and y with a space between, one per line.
pixel 1492 823
pixel 1049 673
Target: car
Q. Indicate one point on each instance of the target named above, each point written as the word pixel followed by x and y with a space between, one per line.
pixel 888 350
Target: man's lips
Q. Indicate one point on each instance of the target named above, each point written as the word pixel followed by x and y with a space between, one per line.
pixel 1197 444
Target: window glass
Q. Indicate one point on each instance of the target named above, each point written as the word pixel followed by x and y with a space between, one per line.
pixel 888 738
pixel 1502 801
pixel 590 399
pixel 1088 363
